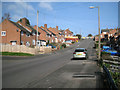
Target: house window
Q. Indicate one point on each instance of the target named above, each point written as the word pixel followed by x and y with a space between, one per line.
pixel 17 30
pixel 104 32
pixel 22 33
pixel 3 33
pixel 33 42
pixel 13 42
pixel 27 43
pixel 28 35
pixel 22 43
pixel 33 33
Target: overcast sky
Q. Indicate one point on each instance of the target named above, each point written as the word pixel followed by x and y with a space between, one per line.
pixel 73 15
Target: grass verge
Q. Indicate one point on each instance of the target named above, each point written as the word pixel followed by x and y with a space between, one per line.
pixel 15 54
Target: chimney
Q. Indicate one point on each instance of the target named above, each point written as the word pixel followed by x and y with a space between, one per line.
pixel 56 27
pixel 45 26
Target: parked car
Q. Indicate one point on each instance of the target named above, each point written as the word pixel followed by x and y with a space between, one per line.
pixel 80 53
pixel 51 45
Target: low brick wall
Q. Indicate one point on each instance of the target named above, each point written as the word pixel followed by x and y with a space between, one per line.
pixel 25 49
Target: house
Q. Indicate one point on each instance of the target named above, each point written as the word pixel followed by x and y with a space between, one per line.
pixel 59 37
pixel 104 34
pixel 32 37
pixel 44 36
pixel 50 36
pixel 67 33
pixel 18 33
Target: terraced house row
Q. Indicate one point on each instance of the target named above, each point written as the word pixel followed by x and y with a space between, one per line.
pixel 21 33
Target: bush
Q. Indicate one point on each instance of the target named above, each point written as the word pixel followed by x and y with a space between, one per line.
pixel 64 45
pixel 73 42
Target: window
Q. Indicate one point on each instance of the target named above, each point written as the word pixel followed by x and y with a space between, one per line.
pixel 22 43
pixel 27 43
pixel 13 42
pixel 3 33
pixel 33 33
pixel 52 40
pixel 28 35
pixel 104 32
pixel 22 33
pixel 33 42
pixel 17 30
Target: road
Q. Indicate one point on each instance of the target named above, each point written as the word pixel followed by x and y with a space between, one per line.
pixel 55 70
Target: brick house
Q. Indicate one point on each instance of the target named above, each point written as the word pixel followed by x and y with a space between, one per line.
pixel 19 33
pixel 106 34
pixel 44 35
pixel 51 36
pixel 59 37
pixel 67 33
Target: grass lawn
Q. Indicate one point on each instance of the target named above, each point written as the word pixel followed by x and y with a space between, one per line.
pixel 15 54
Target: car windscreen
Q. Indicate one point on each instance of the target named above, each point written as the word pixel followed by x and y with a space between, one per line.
pixel 80 50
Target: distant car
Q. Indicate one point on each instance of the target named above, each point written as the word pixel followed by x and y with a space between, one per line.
pixel 51 45
pixel 80 53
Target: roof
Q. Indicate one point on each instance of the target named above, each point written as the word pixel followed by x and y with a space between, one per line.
pixel 32 28
pixel 104 30
pixel 44 30
pixel 51 32
pixel 20 27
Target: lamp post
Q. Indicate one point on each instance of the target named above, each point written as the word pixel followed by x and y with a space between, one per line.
pixel 99 45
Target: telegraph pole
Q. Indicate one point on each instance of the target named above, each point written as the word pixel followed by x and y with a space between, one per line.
pixel 99 47
pixel 37 29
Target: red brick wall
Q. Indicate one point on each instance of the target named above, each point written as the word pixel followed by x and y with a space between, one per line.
pixel 11 32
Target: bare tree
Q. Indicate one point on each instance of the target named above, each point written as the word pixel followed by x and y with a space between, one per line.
pixel 6 16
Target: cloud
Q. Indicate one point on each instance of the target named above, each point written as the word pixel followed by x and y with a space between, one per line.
pixel 19 9
pixel 46 5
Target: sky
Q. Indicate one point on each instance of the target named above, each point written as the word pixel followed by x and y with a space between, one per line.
pixel 77 16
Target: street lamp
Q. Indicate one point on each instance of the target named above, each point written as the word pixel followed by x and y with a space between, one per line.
pixel 99 45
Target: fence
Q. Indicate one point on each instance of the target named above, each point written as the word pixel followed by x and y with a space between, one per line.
pixel 25 49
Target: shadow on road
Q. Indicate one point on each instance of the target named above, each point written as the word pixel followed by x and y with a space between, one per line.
pixel 78 58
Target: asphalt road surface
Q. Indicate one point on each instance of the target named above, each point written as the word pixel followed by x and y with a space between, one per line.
pixel 54 70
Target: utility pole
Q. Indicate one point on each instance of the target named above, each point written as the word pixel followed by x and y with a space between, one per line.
pixel 99 48
pixel 37 29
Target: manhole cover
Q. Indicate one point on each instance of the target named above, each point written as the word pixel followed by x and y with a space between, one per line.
pixel 83 75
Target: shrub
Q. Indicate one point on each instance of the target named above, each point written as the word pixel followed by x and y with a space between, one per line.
pixel 64 45
pixel 73 42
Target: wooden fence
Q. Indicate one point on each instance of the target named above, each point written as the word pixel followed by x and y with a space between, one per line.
pixel 25 49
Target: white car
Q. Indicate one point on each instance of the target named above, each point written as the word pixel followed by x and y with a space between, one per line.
pixel 80 53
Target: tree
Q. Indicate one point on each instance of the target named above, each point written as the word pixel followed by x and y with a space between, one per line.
pixel 27 21
pixel 6 16
pixel 79 36
pixel 89 35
